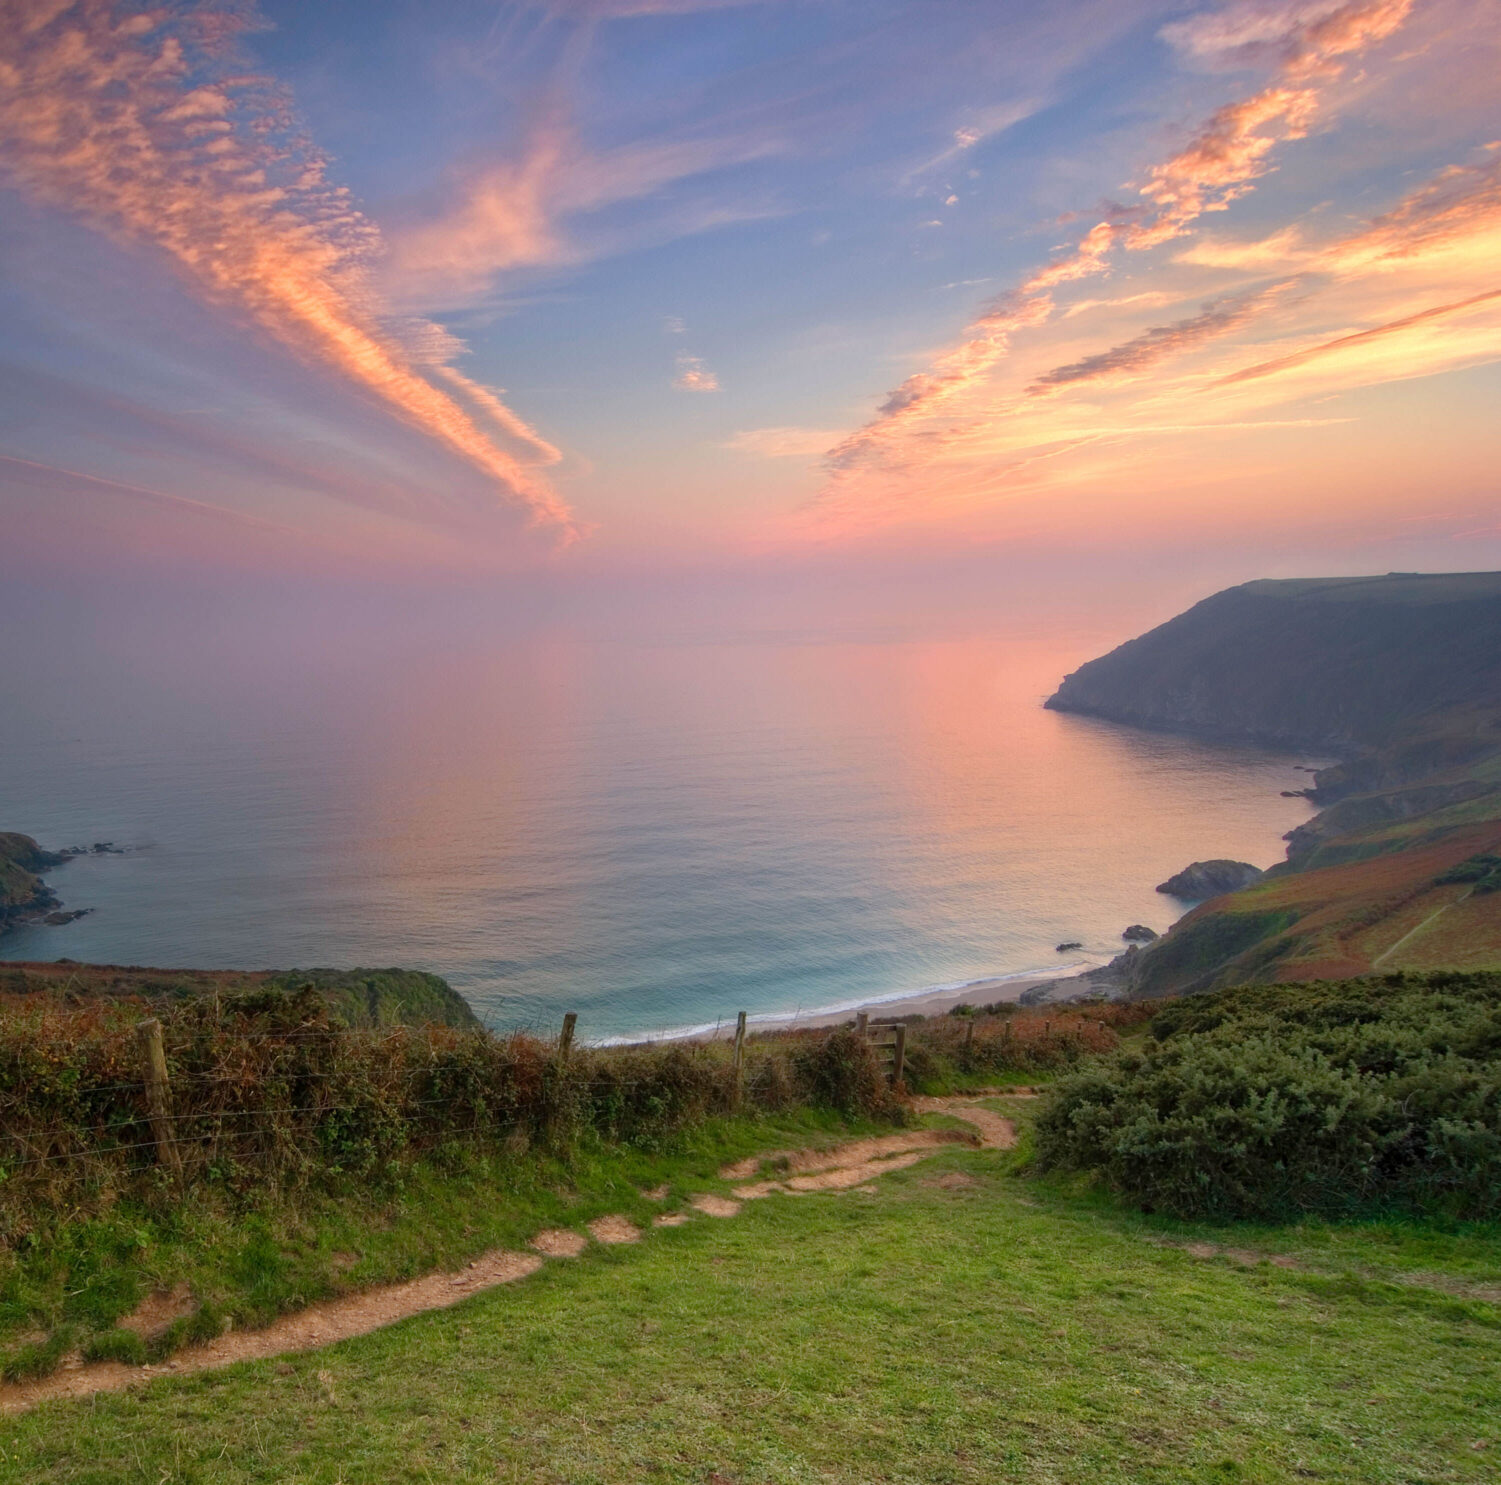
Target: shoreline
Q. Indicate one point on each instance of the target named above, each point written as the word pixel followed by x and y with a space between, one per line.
pixel 929 1001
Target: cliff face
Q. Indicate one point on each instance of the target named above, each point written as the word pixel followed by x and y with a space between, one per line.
pixel 1347 665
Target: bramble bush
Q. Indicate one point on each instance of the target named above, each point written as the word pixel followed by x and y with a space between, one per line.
pixel 267 1091
pixel 1327 1097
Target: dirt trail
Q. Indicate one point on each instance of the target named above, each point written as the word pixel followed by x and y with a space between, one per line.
pixel 305 1330
pixel 797 1172
pixel 996 1131
pixel 841 1157
pixel 1408 937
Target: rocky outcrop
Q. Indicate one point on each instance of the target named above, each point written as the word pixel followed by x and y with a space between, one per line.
pixel 1139 933
pixel 1205 879
pixel 24 896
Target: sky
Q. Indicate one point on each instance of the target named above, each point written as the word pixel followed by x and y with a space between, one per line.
pixel 638 287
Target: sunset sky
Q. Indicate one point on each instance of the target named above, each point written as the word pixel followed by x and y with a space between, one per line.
pixel 628 285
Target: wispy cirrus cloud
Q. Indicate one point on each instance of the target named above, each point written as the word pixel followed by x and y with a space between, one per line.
pixel 782 443
pixel 1357 339
pixel 1308 46
pixel 141 124
pixel 1144 351
pixel 497 215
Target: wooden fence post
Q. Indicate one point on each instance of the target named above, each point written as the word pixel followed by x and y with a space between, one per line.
pixel 739 1058
pixel 899 1061
pixel 969 1036
pixel 862 1021
pixel 154 1069
pixel 565 1042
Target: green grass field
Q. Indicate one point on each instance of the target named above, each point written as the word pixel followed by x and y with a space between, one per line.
pixel 998 1328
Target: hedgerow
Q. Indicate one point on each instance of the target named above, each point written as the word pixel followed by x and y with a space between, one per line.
pixel 1329 1097
pixel 267 1091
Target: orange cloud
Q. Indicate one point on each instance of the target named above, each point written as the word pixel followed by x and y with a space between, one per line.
pixel 124 123
pixel 1358 338
pixel 1308 42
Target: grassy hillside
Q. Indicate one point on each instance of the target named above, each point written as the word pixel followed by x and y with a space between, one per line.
pixel 1400 674
pixel 958 1324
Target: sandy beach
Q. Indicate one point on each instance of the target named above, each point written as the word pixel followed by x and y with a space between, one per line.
pixel 933 1002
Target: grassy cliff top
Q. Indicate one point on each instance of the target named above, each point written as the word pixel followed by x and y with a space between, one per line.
pixel 1391 587
pixel 358 997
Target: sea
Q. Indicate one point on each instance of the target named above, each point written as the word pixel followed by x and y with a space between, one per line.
pixel 654 827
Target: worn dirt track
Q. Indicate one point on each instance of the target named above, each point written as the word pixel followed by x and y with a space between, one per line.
pixel 797 1172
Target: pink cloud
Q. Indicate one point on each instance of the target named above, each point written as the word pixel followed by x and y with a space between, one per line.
pixel 133 126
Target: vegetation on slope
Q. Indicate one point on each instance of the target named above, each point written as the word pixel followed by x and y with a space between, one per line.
pixel 1326 1097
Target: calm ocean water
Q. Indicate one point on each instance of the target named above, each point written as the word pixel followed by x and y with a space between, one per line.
pixel 655 834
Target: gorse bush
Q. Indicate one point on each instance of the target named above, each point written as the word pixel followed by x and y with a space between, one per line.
pixel 1274 1100
pixel 1483 871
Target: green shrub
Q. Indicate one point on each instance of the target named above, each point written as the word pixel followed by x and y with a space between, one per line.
pixel 116 1345
pixel 39 1358
pixel 840 1071
pixel 1274 1100
pixel 202 1325
pixel 1484 871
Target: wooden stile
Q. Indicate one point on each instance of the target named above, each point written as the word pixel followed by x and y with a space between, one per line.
pixel 889 1042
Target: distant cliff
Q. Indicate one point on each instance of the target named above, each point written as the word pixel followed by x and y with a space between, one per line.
pixel 1347 665
pixel 1400 676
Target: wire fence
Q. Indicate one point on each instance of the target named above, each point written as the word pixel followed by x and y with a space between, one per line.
pixel 92 1099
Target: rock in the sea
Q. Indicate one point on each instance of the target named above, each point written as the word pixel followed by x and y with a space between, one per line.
pixel 1139 933
pixel 1206 879
pixel 1070 946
